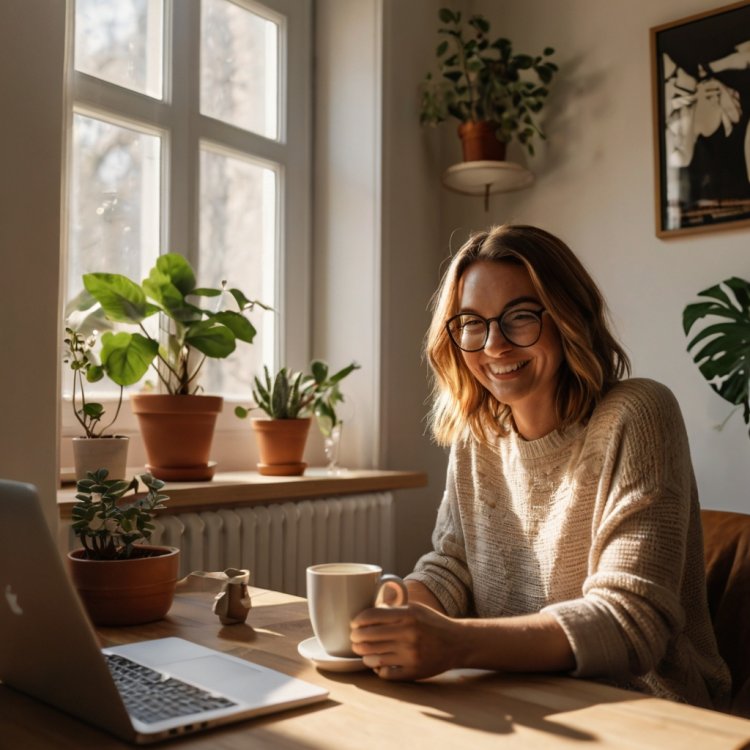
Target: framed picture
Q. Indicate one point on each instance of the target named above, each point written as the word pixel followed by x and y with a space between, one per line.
pixel 701 98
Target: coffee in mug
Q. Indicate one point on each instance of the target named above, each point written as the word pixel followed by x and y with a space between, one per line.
pixel 337 592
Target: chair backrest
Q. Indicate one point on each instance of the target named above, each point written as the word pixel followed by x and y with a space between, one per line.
pixel 726 542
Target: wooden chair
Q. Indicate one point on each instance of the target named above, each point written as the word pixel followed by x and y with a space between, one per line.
pixel 726 541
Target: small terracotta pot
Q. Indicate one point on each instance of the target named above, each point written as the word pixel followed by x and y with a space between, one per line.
pixel 126 592
pixel 281 445
pixel 178 432
pixel 479 141
pixel 91 454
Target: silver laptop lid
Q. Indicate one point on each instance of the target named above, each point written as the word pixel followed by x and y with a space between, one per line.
pixel 51 650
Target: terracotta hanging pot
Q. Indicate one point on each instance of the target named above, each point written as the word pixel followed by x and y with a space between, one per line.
pixel 479 141
pixel 91 454
pixel 126 592
pixel 281 445
pixel 177 433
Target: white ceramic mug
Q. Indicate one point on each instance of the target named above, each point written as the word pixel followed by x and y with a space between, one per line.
pixel 337 592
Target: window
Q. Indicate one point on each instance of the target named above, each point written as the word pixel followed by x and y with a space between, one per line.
pixel 190 132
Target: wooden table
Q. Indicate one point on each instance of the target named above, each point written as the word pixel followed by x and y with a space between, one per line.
pixel 461 710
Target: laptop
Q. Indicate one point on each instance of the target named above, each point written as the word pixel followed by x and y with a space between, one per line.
pixel 177 686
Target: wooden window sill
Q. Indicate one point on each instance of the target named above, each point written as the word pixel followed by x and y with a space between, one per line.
pixel 235 489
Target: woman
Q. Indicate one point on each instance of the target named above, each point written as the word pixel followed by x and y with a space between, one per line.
pixel 568 538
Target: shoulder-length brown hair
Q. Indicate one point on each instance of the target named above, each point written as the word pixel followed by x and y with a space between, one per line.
pixel 593 360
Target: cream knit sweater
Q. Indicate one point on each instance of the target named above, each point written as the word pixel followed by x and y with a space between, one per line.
pixel 600 527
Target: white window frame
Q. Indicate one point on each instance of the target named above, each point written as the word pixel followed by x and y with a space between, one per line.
pixel 291 155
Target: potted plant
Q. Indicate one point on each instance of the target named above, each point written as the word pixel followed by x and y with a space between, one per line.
pixel 178 425
pixel 493 92
pixel 289 400
pixel 120 580
pixel 95 448
pixel 721 349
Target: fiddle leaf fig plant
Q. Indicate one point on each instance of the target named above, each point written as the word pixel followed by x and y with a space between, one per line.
pixel 107 528
pixel 294 395
pixel 195 332
pixel 721 348
pixel 484 79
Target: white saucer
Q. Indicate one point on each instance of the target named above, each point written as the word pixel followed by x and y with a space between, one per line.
pixel 312 650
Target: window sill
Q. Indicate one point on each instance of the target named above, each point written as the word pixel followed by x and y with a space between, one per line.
pixel 235 489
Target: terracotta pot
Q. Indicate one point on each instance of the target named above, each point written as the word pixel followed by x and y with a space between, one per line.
pixel 177 433
pixel 126 592
pixel 480 142
pixel 111 453
pixel 281 445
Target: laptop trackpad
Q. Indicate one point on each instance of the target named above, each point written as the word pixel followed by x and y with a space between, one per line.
pixel 239 681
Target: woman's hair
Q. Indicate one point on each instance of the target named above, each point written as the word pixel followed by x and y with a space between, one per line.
pixel 593 361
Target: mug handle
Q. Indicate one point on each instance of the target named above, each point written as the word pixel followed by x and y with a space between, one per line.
pixel 400 586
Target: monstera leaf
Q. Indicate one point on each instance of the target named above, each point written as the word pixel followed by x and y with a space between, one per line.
pixel 721 348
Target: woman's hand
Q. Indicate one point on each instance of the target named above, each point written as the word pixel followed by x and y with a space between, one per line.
pixel 406 643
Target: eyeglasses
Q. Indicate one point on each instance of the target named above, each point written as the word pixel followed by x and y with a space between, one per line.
pixel 469 332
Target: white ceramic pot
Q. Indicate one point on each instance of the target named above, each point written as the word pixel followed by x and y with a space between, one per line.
pixel 111 453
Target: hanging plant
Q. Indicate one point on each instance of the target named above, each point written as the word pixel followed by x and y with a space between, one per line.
pixel 721 348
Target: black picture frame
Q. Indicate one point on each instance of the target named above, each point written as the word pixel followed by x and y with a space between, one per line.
pixel 700 72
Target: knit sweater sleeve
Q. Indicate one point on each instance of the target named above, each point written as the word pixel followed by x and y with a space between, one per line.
pixel 444 571
pixel 630 605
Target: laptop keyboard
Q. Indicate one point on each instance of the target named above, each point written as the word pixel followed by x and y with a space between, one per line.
pixel 154 696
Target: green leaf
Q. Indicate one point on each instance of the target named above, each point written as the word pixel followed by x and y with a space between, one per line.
pixel 94 373
pixel 319 370
pixel 442 48
pixel 341 374
pixel 93 410
pixel 548 51
pixel 544 74
pixel 280 394
pixel 238 324
pixel 127 356
pixel 244 303
pixel 446 15
pixel 241 412
pixel 211 338
pixel 722 349
pixel 480 24
pixel 122 300
pixel 159 287
pixel 178 271
pixel 206 292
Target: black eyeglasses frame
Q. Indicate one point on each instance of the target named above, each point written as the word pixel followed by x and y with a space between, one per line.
pixel 499 320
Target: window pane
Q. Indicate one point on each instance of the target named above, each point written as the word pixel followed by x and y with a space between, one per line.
pixel 239 67
pixel 114 200
pixel 121 42
pixel 237 243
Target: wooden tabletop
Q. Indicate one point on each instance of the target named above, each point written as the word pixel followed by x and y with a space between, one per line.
pixel 458 710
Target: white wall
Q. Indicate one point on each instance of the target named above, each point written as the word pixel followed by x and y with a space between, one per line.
pixel 346 211
pixel 595 189
pixel 32 34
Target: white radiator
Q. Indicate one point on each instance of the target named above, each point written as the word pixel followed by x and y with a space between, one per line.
pixel 277 542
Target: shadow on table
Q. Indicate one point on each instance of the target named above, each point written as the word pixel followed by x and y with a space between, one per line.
pixel 500 704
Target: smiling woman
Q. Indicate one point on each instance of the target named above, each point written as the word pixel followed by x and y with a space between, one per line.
pixel 568 538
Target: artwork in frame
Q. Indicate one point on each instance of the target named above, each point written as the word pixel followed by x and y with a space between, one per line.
pixel 701 99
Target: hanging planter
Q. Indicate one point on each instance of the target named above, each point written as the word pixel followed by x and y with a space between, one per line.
pixel 479 142
pixel 486 86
